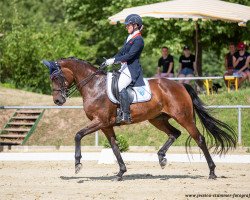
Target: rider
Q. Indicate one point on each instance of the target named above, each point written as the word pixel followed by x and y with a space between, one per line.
pixel 129 56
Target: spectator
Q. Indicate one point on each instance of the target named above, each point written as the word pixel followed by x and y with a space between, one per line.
pixel 241 61
pixel 229 61
pixel 187 65
pixel 167 64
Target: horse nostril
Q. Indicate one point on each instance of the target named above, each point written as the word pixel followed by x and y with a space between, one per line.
pixel 56 101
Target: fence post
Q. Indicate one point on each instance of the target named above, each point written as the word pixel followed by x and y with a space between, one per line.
pixel 239 126
pixel 96 139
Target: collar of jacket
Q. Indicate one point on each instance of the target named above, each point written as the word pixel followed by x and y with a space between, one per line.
pixel 133 35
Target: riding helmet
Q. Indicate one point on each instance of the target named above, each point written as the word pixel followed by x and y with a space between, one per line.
pixel 133 19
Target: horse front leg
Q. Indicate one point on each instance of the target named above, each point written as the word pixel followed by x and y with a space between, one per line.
pixel 94 126
pixel 110 134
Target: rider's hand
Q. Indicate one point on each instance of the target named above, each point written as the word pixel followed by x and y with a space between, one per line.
pixel 109 61
pixel 103 65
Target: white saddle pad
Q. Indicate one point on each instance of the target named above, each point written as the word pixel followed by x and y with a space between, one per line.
pixel 141 94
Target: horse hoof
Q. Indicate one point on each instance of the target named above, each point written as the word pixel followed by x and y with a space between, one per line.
pixel 78 167
pixel 118 178
pixel 212 176
pixel 163 163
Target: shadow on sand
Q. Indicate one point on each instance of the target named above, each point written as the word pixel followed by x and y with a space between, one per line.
pixel 132 177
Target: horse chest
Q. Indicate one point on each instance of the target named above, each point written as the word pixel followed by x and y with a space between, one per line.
pixel 93 108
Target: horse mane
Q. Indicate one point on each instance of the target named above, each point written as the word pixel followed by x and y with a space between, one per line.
pixel 77 60
pixel 81 61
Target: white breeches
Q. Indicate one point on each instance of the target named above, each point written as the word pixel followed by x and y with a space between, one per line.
pixel 125 77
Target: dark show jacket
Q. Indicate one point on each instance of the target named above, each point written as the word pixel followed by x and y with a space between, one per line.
pixel 130 53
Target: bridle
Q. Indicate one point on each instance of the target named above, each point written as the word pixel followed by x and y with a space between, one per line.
pixel 65 91
pixel 58 75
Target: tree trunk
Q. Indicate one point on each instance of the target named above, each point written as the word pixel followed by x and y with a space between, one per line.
pixel 199 60
pixel 198 48
pixel 198 55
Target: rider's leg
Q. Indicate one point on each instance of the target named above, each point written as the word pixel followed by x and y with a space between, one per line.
pixel 124 80
pixel 125 106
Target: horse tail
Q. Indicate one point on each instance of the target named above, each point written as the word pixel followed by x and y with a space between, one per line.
pixel 220 134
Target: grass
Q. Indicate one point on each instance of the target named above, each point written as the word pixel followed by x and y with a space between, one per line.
pixel 58 127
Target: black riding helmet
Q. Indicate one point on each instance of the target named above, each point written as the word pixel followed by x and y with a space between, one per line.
pixel 133 19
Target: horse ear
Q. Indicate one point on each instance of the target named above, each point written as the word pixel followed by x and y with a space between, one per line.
pixel 47 64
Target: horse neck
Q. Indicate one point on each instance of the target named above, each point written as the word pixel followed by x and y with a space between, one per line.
pixel 81 71
pixel 93 89
pixel 76 70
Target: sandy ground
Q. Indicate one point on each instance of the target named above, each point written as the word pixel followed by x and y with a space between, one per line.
pixel 56 180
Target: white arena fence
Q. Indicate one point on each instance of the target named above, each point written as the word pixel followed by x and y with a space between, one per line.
pixel 193 78
pixel 238 107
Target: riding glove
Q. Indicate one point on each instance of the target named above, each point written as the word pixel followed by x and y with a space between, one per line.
pixel 110 61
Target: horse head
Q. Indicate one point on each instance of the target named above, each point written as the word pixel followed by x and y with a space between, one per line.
pixel 61 79
pixel 67 75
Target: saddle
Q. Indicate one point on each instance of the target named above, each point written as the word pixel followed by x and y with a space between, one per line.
pixel 136 94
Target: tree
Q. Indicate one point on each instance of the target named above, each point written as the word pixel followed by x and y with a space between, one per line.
pixel 93 16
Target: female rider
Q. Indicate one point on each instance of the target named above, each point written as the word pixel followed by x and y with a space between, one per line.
pixel 128 56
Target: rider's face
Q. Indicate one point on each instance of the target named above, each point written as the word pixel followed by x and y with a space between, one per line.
pixel 130 28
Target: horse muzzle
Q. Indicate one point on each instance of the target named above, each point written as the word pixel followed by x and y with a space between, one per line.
pixel 59 101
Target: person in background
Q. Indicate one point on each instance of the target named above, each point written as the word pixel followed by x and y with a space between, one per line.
pixel 187 65
pixel 229 58
pixel 167 64
pixel 229 61
pixel 241 61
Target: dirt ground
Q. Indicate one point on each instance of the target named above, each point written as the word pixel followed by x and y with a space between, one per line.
pixel 56 180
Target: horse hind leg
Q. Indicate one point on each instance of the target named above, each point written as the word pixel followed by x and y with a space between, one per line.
pixel 161 122
pixel 200 140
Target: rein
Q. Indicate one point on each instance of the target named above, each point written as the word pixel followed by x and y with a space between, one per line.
pixel 82 83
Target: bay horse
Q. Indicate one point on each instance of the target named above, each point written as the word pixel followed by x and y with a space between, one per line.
pixel 169 100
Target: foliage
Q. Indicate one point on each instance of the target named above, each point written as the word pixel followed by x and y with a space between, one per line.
pixel 50 29
pixel 23 48
pixel 121 142
pixel 23 51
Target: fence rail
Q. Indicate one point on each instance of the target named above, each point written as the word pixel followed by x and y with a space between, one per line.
pixel 192 78
pixel 238 107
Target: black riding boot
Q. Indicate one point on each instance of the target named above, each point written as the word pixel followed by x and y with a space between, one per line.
pixel 125 106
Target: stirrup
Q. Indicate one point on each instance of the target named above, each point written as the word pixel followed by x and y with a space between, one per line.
pixel 126 117
pixel 122 117
pixel 118 119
